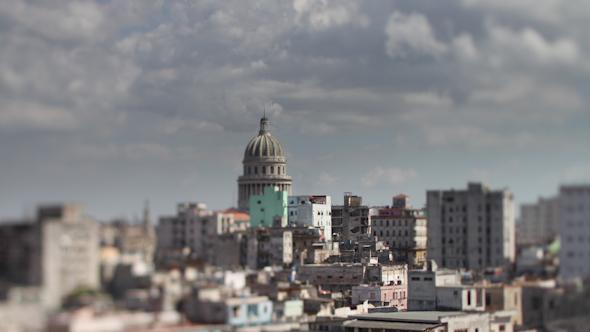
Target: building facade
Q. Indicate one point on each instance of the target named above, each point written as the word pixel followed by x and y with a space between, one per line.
pixel 539 223
pixel 59 252
pixel 70 252
pixel 403 229
pixel 351 221
pixel 269 209
pixel 313 212
pixel 574 229
pixel 471 228
pixel 265 165
pixel 186 229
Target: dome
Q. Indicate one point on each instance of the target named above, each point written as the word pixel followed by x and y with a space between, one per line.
pixel 264 147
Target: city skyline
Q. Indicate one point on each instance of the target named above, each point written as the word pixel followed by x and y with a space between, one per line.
pixel 111 103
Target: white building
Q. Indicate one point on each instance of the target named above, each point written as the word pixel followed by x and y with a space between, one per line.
pixel 539 223
pixel 422 285
pixel 471 228
pixel 312 212
pixel 575 231
pixel 70 252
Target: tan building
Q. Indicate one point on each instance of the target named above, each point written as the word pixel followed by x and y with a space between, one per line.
pixel 403 229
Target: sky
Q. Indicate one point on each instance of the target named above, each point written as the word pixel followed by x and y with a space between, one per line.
pixel 112 103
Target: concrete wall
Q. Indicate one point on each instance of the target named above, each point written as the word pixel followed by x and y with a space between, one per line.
pixel 421 291
pixel 469 322
pixel 460 298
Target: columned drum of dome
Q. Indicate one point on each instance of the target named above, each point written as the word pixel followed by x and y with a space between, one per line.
pixel 265 165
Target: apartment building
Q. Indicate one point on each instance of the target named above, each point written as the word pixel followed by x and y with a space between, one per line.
pixel 471 228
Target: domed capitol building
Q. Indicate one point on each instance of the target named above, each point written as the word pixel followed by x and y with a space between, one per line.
pixel 265 165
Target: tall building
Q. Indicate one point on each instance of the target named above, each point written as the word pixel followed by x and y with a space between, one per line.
pixel 265 165
pixel 471 228
pixel 539 223
pixel 404 229
pixel 574 229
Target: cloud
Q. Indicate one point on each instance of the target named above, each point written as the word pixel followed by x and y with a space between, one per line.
pixel 388 176
pixel 411 35
pixel 325 179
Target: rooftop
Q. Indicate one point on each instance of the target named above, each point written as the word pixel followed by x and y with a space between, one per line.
pixel 433 317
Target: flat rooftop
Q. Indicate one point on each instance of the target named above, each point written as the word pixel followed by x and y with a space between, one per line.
pixel 431 317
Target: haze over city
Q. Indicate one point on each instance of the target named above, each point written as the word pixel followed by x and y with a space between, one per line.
pixel 110 103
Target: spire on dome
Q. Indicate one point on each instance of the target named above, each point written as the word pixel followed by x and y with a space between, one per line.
pixel 264 128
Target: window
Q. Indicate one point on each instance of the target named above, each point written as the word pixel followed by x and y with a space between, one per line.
pixel 255 169
pixel 272 169
pixel 249 170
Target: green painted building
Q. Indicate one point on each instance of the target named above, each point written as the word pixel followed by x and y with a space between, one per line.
pixel 270 209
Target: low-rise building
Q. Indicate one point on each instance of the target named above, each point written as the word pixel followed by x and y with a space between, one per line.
pixel 341 277
pixel 242 311
pixel 460 298
pixel 455 321
pixel 422 285
pixel 381 295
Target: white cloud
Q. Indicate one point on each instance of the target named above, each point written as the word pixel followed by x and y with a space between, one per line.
pixel 411 35
pixel 388 176
pixel 325 179
pixel 322 14
pixel 528 44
